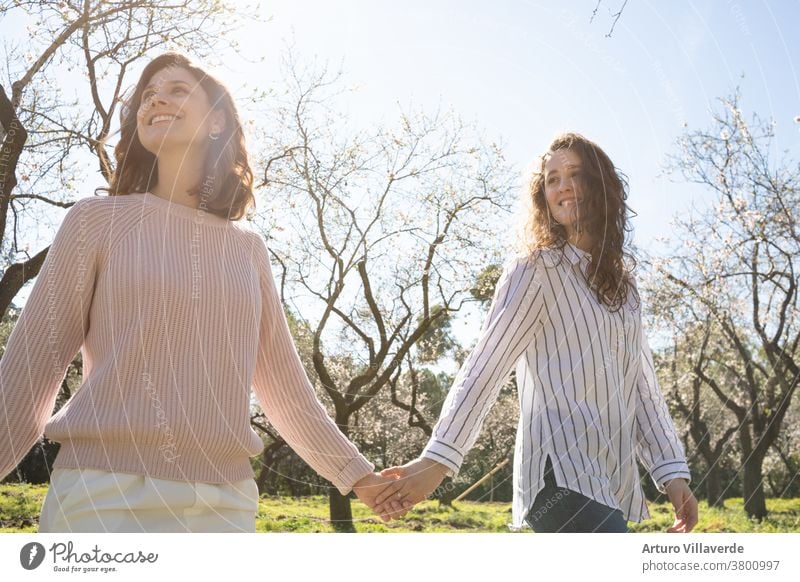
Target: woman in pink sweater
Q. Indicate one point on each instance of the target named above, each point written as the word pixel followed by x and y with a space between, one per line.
pixel 172 302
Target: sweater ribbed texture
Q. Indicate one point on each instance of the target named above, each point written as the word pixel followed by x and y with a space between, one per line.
pixel 177 317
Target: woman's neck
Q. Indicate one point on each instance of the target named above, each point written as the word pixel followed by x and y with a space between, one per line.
pixel 580 240
pixel 178 173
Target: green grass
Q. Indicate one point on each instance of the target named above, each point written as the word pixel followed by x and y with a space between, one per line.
pixel 20 505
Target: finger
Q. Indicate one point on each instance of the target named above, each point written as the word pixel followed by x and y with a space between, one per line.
pixel 395 492
pixel 388 512
pixel 684 519
pixel 384 511
pixel 388 492
pixel 692 517
pixel 383 515
pixel 682 513
pixel 397 508
pixel 678 523
pixel 393 472
pixel 399 511
pixel 680 520
pixel 401 506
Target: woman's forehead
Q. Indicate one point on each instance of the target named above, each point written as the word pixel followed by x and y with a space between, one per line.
pixel 171 74
pixel 561 158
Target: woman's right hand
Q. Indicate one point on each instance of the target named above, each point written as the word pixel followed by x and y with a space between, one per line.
pixel 685 504
pixel 414 482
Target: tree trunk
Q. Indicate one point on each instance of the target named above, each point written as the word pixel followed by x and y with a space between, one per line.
pixel 340 509
pixel 341 512
pixel 270 455
pixel 755 505
pixel 446 493
pixel 714 488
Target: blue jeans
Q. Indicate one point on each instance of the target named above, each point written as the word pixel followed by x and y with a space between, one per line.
pixel 560 510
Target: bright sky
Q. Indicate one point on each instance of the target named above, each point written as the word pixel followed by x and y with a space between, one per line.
pixel 526 70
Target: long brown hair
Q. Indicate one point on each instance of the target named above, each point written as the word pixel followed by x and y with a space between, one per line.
pixel 227 182
pixel 604 219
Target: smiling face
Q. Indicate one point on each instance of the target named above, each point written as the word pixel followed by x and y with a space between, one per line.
pixel 175 112
pixel 562 188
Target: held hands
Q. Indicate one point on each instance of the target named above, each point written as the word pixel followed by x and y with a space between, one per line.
pixel 394 491
pixel 684 503
pixel 411 483
pixel 369 487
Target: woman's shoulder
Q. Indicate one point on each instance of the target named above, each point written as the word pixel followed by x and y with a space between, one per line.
pixel 100 214
pixel 527 259
pixel 99 205
pixel 89 214
pixel 89 203
pixel 523 267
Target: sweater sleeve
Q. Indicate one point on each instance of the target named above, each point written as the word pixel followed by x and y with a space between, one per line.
pixel 507 332
pixel 47 336
pixel 288 398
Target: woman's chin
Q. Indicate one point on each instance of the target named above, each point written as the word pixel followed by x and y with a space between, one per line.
pixel 166 143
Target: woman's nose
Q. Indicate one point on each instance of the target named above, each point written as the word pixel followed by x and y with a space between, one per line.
pixel 156 97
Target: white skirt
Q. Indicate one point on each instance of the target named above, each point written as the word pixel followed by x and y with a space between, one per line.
pixel 90 500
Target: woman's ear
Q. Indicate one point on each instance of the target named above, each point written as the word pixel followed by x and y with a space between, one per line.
pixel 217 121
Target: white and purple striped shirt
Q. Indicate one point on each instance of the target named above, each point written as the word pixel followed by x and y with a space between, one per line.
pixel 587 388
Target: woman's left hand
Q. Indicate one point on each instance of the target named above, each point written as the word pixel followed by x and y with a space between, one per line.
pixel 685 504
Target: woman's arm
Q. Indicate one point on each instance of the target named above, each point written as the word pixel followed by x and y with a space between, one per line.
pixel 288 398
pixel 48 333
pixel 509 328
pixel 658 444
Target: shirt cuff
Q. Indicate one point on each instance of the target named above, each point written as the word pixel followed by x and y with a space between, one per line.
pixel 352 473
pixel 445 454
pixel 667 470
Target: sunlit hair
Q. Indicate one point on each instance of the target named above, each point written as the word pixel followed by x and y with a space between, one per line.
pixel 603 217
pixel 226 184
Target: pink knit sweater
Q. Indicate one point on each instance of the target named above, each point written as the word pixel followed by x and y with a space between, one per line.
pixel 177 315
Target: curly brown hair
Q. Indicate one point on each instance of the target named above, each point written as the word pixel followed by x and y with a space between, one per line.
pixel 604 220
pixel 226 167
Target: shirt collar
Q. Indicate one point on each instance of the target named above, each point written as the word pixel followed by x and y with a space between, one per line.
pixel 576 255
pixel 552 256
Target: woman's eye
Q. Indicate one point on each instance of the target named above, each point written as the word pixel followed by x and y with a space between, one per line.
pixel 179 89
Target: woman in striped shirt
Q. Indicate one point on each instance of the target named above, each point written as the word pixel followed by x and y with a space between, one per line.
pixel 567 312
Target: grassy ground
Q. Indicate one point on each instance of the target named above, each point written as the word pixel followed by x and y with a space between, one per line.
pixel 20 506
